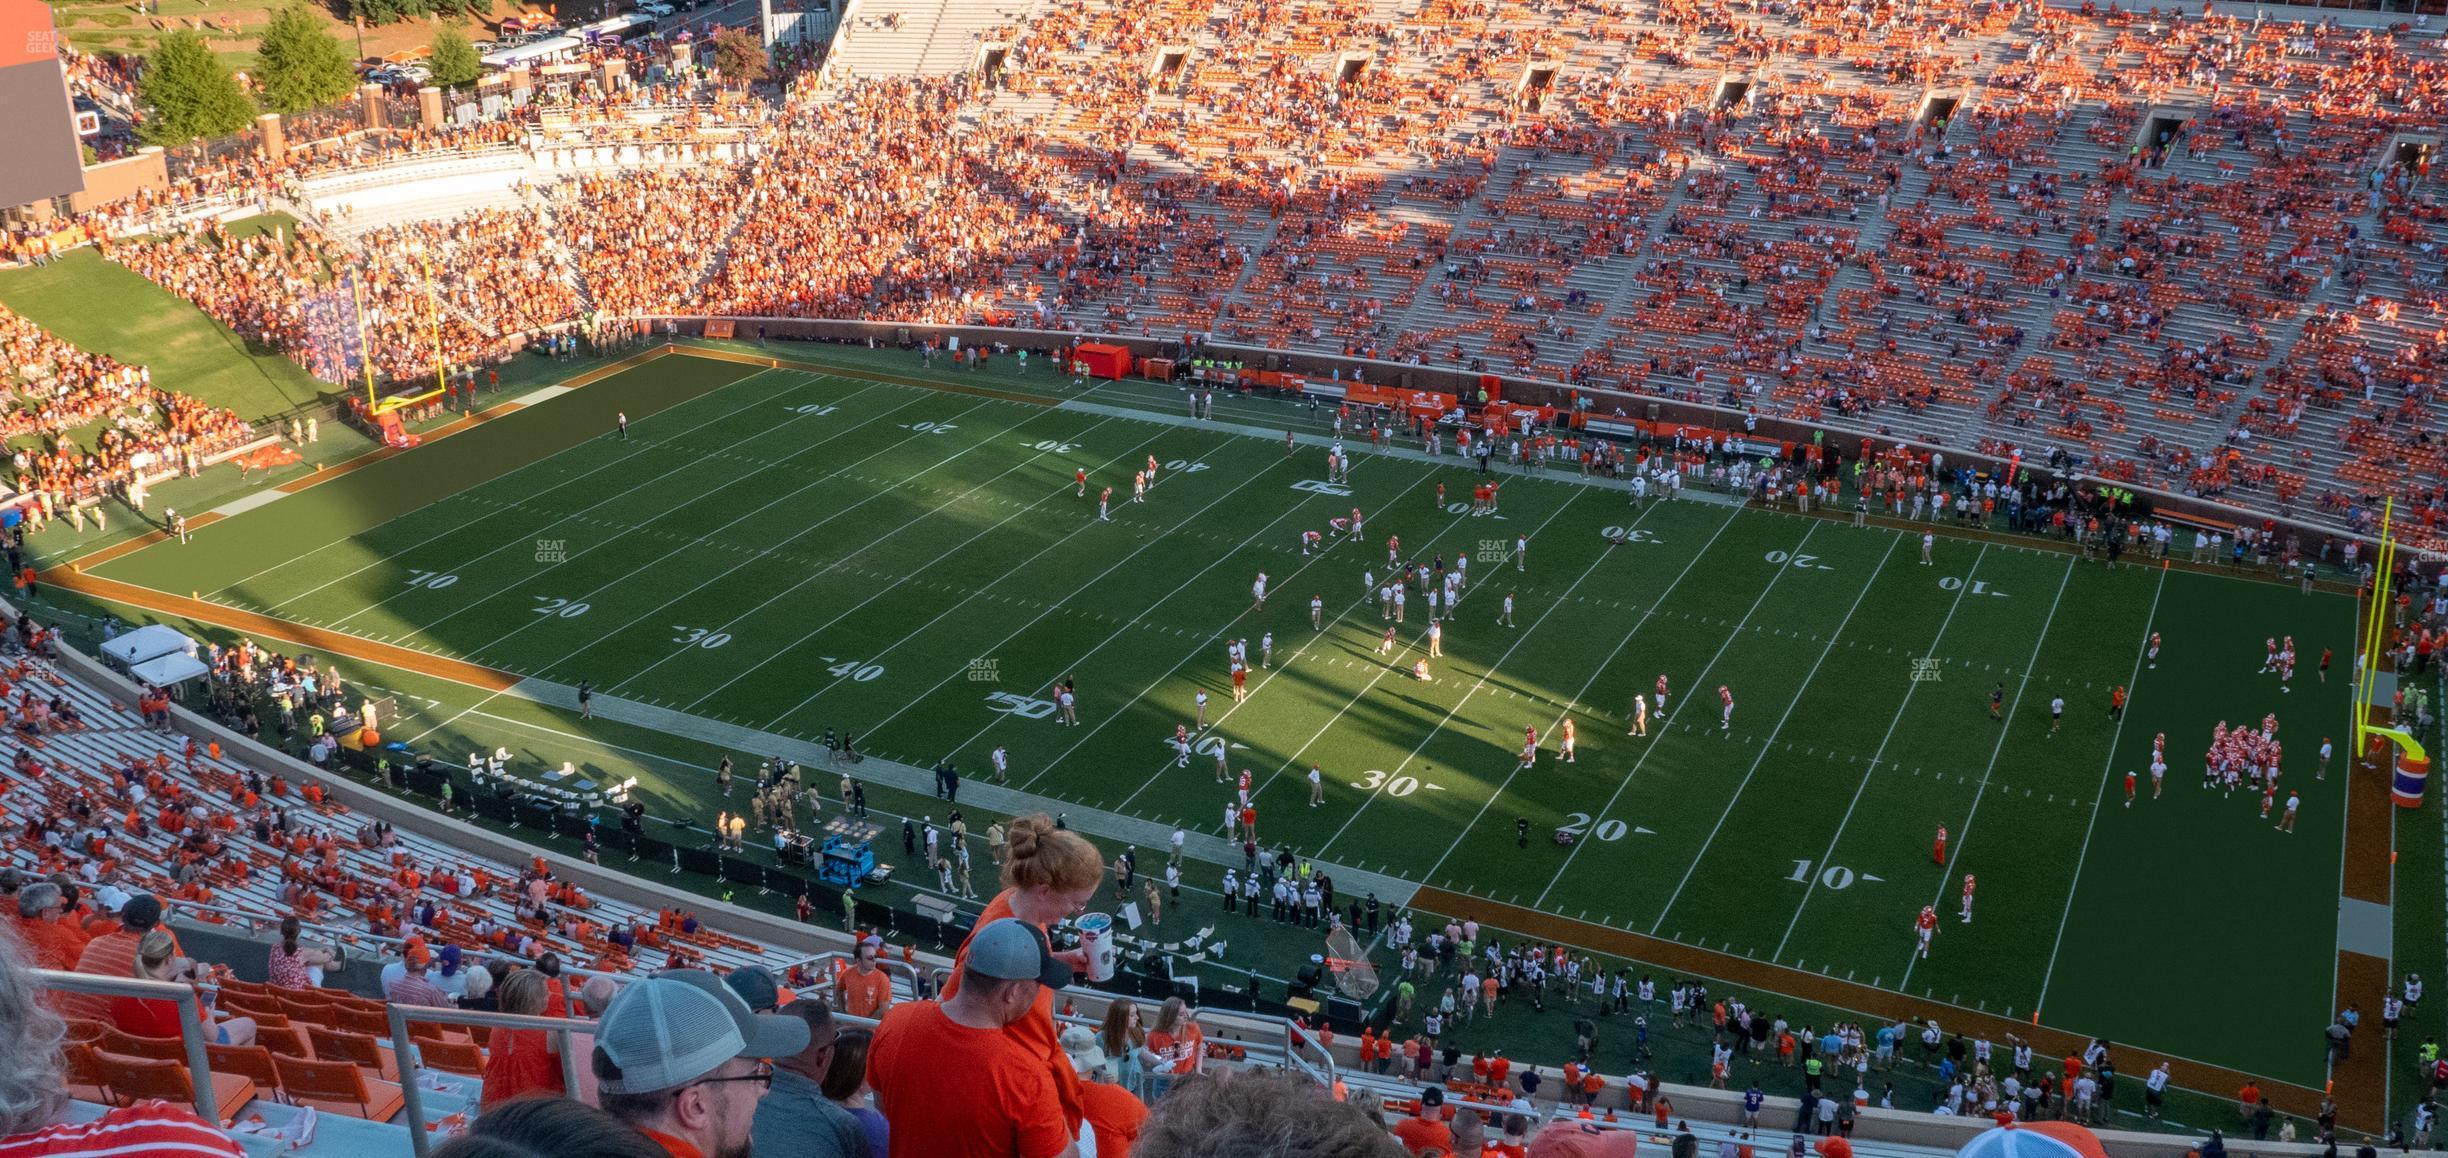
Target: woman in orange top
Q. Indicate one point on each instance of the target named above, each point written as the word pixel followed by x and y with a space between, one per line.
pixel 1049 874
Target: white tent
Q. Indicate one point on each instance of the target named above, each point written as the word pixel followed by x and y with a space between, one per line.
pixel 151 641
pixel 169 670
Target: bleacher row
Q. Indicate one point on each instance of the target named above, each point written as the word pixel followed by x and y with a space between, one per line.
pixel 2195 252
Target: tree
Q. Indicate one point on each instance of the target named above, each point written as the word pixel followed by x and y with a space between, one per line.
pixel 190 93
pixel 454 60
pixel 300 64
pixel 739 57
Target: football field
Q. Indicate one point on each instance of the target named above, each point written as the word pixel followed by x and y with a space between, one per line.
pixel 787 552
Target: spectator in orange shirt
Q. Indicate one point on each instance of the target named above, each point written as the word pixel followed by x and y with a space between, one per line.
pixel 1009 1107
pixel 50 943
pixel 866 990
pixel 1425 1129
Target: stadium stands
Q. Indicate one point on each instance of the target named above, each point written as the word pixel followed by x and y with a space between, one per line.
pixel 1971 228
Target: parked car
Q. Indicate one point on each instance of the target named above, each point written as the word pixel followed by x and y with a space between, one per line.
pixel 655 8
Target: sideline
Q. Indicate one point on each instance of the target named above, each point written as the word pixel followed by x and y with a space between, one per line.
pixel 2358 1107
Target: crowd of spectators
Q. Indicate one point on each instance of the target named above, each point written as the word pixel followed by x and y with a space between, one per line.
pixel 2180 249
pixel 85 426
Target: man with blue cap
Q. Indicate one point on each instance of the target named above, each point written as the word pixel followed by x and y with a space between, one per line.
pixel 680 1057
pixel 924 1050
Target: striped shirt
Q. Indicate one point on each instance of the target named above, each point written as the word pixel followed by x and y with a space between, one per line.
pixel 147 1128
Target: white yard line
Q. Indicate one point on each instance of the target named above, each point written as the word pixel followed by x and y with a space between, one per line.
pixel 1595 672
pixel 1315 637
pixel 1964 838
pixel 1871 769
pixel 1473 690
pixel 1293 657
pixel 1217 728
pixel 1697 689
pixel 760 508
pixel 497 640
pixel 454 528
pixel 1085 525
pixel 2133 684
pixel 829 568
pixel 1769 745
pixel 716 574
pixel 1118 632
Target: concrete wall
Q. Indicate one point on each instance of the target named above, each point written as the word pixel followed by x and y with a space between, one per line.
pixel 113 181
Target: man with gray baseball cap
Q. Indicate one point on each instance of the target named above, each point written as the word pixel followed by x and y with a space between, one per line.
pixel 925 1050
pixel 678 1056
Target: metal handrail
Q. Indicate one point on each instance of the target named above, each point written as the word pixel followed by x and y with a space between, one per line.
pixel 190 1015
pixel 403 1049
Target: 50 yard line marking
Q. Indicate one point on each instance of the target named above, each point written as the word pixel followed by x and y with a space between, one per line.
pixel 1973 813
pixel 1812 885
pixel 1769 744
pixel 1643 621
pixel 1118 633
pixel 1701 682
pixel 1366 594
pixel 2117 734
pixel 391 556
pixel 1384 669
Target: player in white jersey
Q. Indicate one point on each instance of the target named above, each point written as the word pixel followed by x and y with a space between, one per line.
pixel 1222 769
pixel 1266 649
pixel 2153 653
pixel 1506 616
pixel 1317 613
pixel 1461 572
pixel 1434 604
pixel 1001 759
pixel 1258 593
pixel 1726 696
pixel 1201 701
pixel 1521 552
pixel 2158 771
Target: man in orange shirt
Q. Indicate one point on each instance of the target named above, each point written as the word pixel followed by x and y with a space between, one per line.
pixel 866 991
pixel 1426 1130
pixel 676 1056
pixel 51 943
pixel 1009 1107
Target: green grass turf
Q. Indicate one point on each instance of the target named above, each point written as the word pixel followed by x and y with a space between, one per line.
pixel 89 301
pixel 673 775
pixel 796 552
